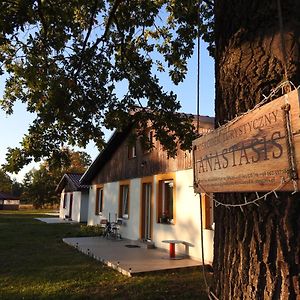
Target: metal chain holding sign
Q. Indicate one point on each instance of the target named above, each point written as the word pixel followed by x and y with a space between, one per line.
pixel 292 166
pixel 289 139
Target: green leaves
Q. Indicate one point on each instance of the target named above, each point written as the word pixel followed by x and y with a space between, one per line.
pixel 5 182
pixel 40 184
pixel 15 159
pixel 70 63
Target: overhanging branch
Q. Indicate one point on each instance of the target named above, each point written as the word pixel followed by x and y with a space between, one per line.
pixel 103 37
pixel 91 23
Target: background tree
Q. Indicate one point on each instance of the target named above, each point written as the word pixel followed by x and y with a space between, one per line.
pixel 16 188
pixel 5 182
pixel 39 184
pixel 79 161
pixel 67 62
pixel 39 187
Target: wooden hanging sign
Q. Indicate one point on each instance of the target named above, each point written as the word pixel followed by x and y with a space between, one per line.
pixel 251 153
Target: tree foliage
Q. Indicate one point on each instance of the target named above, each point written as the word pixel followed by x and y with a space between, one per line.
pixel 89 64
pixel 39 184
pixel 16 188
pixel 5 182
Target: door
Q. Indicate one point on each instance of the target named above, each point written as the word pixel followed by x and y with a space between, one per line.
pixel 146 230
pixel 70 206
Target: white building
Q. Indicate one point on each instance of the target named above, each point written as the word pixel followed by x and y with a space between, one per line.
pixel 151 192
pixel 74 198
pixel 8 202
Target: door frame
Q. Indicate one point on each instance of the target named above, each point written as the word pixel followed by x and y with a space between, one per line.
pixel 146 180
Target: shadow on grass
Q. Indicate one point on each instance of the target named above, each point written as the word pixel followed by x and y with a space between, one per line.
pixel 36 264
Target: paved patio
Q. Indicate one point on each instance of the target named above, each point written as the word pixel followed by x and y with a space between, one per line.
pixel 55 220
pixel 129 260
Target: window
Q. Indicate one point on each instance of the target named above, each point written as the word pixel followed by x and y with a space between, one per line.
pixel 166 201
pixel 65 200
pixel 150 137
pixel 131 151
pixel 99 201
pixel 124 201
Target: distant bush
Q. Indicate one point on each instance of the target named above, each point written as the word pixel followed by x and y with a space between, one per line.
pixel 26 206
pixel 88 230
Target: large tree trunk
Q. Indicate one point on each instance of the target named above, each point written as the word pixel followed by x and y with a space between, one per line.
pixel 257 252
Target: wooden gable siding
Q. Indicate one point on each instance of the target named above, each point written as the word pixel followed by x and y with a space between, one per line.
pixel 120 167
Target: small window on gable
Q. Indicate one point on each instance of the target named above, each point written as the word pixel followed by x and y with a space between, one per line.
pixel 166 202
pixel 99 201
pixel 124 201
pixel 131 151
pixel 150 141
pixel 65 200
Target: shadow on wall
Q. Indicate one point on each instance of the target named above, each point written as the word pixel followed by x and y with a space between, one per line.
pixel 111 201
pixel 188 223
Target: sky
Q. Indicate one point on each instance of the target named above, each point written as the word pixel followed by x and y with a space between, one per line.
pixel 13 127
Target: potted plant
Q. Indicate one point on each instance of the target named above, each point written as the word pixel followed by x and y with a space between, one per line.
pixel 165 217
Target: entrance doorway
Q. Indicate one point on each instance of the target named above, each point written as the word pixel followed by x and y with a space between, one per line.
pixel 70 206
pixel 146 217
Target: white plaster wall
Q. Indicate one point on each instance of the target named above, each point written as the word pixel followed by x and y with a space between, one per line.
pixel 84 206
pixel 110 203
pixel 61 203
pixel 76 206
pixel 92 218
pixel 64 211
pixel 187 225
pixel 131 227
pixel 11 202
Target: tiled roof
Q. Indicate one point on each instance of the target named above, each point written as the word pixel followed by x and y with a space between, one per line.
pixel 6 196
pixel 73 179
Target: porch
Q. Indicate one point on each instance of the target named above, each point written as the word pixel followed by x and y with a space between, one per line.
pixel 127 256
pixel 56 220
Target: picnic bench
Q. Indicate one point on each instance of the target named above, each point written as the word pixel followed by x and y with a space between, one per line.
pixel 172 252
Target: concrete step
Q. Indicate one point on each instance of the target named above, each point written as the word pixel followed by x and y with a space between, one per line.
pixel 148 244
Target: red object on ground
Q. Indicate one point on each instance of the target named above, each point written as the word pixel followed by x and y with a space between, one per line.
pixel 172 250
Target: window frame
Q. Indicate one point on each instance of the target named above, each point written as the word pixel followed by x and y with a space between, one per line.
pixel 131 149
pixel 150 137
pixel 99 205
pixel 122 213
pixel 160 179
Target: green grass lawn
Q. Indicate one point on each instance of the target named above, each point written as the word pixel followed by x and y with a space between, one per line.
pixel 36 264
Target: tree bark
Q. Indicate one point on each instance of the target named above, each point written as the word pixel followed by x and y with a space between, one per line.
pixel 257 250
